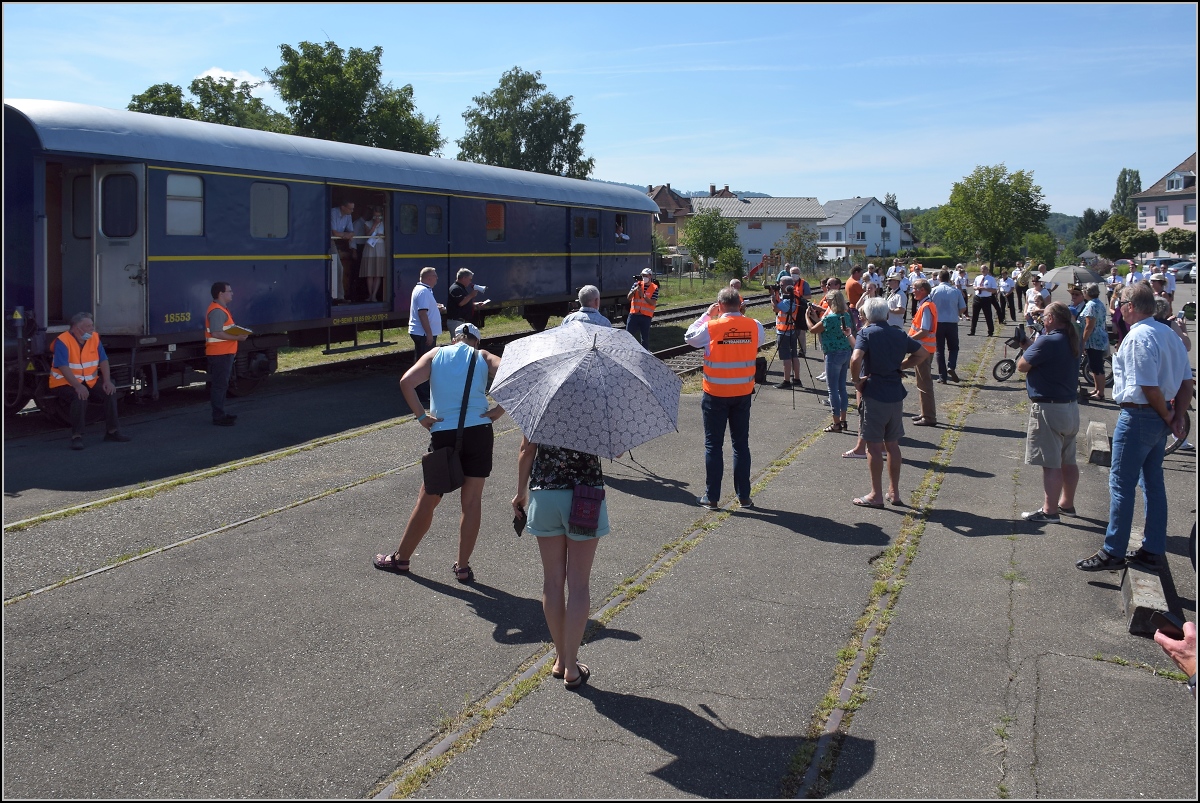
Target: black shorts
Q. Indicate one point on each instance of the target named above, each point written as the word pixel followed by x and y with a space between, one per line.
pixel 1096 360
pixel 476 454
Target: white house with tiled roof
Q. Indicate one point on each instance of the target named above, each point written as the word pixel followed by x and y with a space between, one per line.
pixel 858 225
pixel 763 222
pixel 1171 201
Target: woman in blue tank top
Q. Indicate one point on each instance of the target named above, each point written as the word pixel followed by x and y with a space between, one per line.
pixel 446 370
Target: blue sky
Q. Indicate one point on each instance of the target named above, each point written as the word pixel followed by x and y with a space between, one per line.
pixel 832 101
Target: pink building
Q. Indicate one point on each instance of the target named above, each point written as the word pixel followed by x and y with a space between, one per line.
pixel 1171 202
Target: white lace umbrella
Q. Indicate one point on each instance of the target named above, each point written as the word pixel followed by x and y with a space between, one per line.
pixel 587 388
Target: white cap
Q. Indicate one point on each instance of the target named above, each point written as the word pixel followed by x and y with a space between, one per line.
pixel 1157 277
pixel 647 272
pixel 467 329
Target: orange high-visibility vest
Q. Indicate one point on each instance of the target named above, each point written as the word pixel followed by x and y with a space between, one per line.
pixel 643 303
pixel 729 364
pixel 782 324
pixel 212 345
pixel 84 361
pixel 929 341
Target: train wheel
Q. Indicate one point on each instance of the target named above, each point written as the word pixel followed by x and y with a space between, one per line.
pixel 14 400
pixel 1004 370
pixel 245 385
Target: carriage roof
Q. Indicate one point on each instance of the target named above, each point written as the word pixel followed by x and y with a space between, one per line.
pixel 78 129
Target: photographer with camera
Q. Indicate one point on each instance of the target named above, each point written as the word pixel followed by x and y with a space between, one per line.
pixel 643 298
pixel 784 302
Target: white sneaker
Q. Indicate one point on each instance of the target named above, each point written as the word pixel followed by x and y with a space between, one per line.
pixel 821 377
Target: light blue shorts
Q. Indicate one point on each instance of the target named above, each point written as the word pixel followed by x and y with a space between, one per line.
pixel 549 512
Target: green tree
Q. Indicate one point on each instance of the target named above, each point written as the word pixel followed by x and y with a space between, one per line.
pixel 340 95
pixel 165 100
pixel 730 262
pixel 521 125
pixel 1070 256
pixel 1090 222
pixel 1129 183
pixel 1106 241
pixel 1178 241
pixel 799 246
pixel 224 101
pixel 707 234
pixel 1041 248
pixel 927 227
pixel 1139 241
pixel 889 200
pixel 991 210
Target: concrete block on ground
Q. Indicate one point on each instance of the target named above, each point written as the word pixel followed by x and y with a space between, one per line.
pixel 1142 593
pixel 1096 444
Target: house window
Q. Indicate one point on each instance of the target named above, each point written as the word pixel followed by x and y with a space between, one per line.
pixel 860 236
pixel 1160 214
pixel 840 236
pixel 866 218
pixel 185 204
pixel 754 224
pixel 268 210
pixel 839 253
pixel 793 224
pixel 824 236
pixel 1189 214
pixel 495 222
pixel 1175 183
pixel 670 231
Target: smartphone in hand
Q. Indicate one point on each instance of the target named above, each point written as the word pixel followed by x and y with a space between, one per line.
pixel 1168 623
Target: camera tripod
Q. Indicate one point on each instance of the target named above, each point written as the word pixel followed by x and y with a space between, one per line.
pixel 791 321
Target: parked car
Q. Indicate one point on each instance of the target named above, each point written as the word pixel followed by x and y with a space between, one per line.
pixel 1157 264
pixel 1185 272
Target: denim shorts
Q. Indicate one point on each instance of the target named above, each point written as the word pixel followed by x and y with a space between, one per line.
pixel 549 512
pixel 787 344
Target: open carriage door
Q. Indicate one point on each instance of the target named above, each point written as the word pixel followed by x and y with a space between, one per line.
pixel 119 249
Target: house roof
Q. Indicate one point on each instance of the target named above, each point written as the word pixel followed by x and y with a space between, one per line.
pixel 762 208
pixel 1159 188
pixel 669 200
pixel 839 213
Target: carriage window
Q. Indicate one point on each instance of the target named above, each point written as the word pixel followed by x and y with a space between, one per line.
pixel 495 222
pixel 118 205
pixel 81 207
pixel 433 220
pixel 593 227
pixel 622 235
pixel 268 210
pixel 185 204
pixel 579 227
pixel 408 218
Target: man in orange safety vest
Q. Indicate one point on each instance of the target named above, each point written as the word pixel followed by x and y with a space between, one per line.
pixel 79 373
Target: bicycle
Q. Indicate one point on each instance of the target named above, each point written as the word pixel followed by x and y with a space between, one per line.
pixel 1004 368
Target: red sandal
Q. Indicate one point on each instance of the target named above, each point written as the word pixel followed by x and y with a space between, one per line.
pixel 391 563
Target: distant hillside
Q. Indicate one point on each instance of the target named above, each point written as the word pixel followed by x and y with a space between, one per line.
pixel 906 215
pixel 638 187
pixel 1062 226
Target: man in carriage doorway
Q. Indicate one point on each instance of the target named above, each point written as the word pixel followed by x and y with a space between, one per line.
pixel 341 219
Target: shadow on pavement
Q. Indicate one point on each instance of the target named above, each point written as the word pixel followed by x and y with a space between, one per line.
pixel 517 620
pixel 821 529
pixel 711 759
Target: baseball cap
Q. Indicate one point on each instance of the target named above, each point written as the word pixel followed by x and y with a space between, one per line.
pixel 467 329
pixel 647 272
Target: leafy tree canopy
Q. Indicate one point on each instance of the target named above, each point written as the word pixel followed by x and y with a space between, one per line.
pixel 1139 241
pixel 521 125
pixel 339 95
pixel 217 100
pixel 799 247
pixel 1178 241
pixel 1129 183
pixel 707 234
pixel 1106 241
pixel 991 210
pixel 1090 222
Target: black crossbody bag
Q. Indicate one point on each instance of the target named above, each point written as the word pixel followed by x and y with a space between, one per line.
pixel 442 468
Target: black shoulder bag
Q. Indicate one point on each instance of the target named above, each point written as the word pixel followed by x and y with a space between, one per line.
pixel 442 468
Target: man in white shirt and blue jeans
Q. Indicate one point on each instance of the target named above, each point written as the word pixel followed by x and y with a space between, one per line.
pixel 1152 383
pixel 424 322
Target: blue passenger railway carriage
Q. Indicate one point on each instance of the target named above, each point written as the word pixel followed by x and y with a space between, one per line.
pixel 132 217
